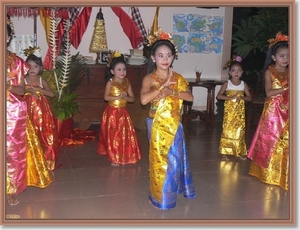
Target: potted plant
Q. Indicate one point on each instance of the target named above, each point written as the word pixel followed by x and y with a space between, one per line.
pixel 67 74
pixel 64 102
pixel 252 27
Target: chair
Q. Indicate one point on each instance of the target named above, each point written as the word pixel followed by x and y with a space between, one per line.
pixel 255 107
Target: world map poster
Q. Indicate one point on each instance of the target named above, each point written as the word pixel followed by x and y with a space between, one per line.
pixel 193 33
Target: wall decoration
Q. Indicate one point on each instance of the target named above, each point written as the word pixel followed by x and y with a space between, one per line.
pixel 99 40
pixel 194 33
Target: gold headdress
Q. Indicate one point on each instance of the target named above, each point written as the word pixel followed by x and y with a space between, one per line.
pixel 113 54
pixel 234 58
pixel 278 38
pixel 33 51
pixel 161 35
pixel 10 23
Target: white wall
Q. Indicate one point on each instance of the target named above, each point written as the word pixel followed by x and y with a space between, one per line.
pixel 117 40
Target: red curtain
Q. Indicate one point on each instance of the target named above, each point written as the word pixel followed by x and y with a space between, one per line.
pixel 129 27
pixel 79 26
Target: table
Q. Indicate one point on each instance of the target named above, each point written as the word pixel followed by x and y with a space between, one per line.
pixel 208 115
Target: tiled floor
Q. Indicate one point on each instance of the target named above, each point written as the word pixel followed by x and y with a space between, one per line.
pixel 87 188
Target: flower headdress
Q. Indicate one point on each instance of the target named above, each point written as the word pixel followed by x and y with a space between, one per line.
pixel 33 51
pixel 161 35
pixel 278 38
pixel 234 58
pixel 10 23
pixel 113 54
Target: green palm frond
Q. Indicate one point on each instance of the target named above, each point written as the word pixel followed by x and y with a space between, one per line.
pixel 251 33
pixel 245 40
pixel 66 107
pixel 65 77
pixel 76 72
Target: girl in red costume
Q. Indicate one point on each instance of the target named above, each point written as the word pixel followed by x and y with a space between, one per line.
pixel 118 140
pixel 37 92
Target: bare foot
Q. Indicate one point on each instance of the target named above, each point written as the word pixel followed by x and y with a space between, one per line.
pixel 11 200
pixel 225 158
pixel 114 164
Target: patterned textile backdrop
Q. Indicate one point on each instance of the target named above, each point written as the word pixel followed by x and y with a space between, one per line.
pixel 19 43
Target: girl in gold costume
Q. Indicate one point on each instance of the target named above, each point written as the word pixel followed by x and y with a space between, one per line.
pixel 165 90
pixel 269 148
pixel 118 140
pixel 235 92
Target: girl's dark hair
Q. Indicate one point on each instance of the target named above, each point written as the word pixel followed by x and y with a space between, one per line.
pixel 234 63
pixel 36 60
pixel 273 51
pixel 269 60
pixel 153 48
pixel 9 31
pixel 114 62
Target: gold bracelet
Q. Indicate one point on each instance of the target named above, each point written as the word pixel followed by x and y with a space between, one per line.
pixel 175 92
pixel 161 88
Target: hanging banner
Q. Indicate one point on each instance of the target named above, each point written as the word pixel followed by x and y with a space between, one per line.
pixel 19 43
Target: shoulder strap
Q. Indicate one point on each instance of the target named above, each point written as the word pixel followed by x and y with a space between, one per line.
pixel 41 82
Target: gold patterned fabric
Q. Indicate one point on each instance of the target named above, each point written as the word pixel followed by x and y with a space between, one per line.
pixel 165 124
pixel 37 171
pixel 169 169
pixel 269 149
pixel 277 172
pixel 116 90
pixel 232 140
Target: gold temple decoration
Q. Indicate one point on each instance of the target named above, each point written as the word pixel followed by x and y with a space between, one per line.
pixel 99 41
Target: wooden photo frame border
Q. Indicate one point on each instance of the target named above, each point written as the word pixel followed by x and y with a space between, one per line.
pixel 184 223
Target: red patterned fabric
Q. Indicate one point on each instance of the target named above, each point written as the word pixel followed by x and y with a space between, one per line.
pixel 136 16
pixel 78 137
pixel 79 26
pixel 129 27
pixel 41 115
pixel 73 14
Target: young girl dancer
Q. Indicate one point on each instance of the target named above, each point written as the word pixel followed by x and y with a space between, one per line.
pixel 165 90
pixel 37 92
pixel 118 140
pixel 269 148
pixel 235 92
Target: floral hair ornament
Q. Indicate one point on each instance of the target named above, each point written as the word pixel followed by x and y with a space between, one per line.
pixel 113 54
pixel 234 58
pixel 278 38
pixel 161 35
pixel 10 23
pixel 36 51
